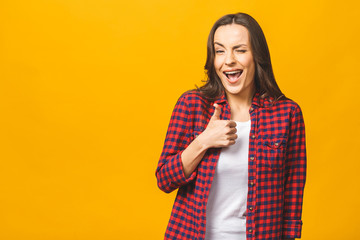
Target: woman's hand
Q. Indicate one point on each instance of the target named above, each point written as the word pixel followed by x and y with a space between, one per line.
pixel 218 133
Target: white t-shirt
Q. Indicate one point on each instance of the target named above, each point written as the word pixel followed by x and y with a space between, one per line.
pixel 226 206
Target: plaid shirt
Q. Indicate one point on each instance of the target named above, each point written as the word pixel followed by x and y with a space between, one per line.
pixel 276 168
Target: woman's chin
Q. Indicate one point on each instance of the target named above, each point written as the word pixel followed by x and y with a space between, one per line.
pixel 234 91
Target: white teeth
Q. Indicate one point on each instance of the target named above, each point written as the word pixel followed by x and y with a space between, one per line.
pixel 233 72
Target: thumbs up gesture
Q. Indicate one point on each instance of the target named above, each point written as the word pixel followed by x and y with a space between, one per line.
pixel 218 133
pixel 216 114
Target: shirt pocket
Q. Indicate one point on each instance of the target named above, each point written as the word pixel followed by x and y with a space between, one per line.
pixel 274 152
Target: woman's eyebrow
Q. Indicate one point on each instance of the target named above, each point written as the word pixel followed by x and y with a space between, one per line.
pixel 236 46
pixel 240 45
pixel 218 44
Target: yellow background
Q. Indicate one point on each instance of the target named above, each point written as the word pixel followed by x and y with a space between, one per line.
pixel 86 92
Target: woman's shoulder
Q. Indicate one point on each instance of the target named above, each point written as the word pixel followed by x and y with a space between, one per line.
pixel 193 97
pixel 288 103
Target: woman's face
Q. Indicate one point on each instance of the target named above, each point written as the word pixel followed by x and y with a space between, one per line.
pixel 233 61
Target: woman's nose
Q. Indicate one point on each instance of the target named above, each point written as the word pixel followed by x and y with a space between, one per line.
pixel 230 59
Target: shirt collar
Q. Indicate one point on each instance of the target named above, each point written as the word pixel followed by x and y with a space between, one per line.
pixel 259 100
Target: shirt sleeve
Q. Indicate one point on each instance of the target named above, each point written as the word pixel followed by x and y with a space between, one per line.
pixel 295 175
pixel 169 173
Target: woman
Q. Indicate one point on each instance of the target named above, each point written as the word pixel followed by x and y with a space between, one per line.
pixel 235 147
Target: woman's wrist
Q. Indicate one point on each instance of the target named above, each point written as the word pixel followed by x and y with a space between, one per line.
pixel 202 141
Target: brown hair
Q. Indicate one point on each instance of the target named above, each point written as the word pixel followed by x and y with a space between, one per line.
pixel 264 78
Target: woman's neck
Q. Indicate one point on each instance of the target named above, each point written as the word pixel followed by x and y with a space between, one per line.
pixel 240 104
pixel 241 100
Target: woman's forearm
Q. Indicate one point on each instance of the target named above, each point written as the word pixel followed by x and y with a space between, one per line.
pixel 193 154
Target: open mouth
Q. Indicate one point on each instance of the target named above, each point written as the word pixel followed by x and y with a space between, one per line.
pixel 232 76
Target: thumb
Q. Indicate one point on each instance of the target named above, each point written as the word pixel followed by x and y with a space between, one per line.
pixel 216 114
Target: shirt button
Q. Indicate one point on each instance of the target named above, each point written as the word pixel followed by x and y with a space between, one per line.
pixel 251 109
pixel 251 208
pixel 253 136
pixel 276 144
pixel 252 158
pixel 250 230
pixel 252 183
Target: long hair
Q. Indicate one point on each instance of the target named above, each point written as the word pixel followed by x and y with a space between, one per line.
pixel 264 78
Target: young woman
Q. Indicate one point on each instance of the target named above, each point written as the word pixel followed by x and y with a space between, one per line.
pixel 235 147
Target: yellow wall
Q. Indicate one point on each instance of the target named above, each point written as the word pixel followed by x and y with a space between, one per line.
pixel 86 92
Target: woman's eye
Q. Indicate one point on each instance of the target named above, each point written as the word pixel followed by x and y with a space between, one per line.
pixel 241 51
pixel 219 51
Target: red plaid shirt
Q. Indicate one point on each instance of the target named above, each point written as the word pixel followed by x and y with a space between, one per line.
pixel 276 168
